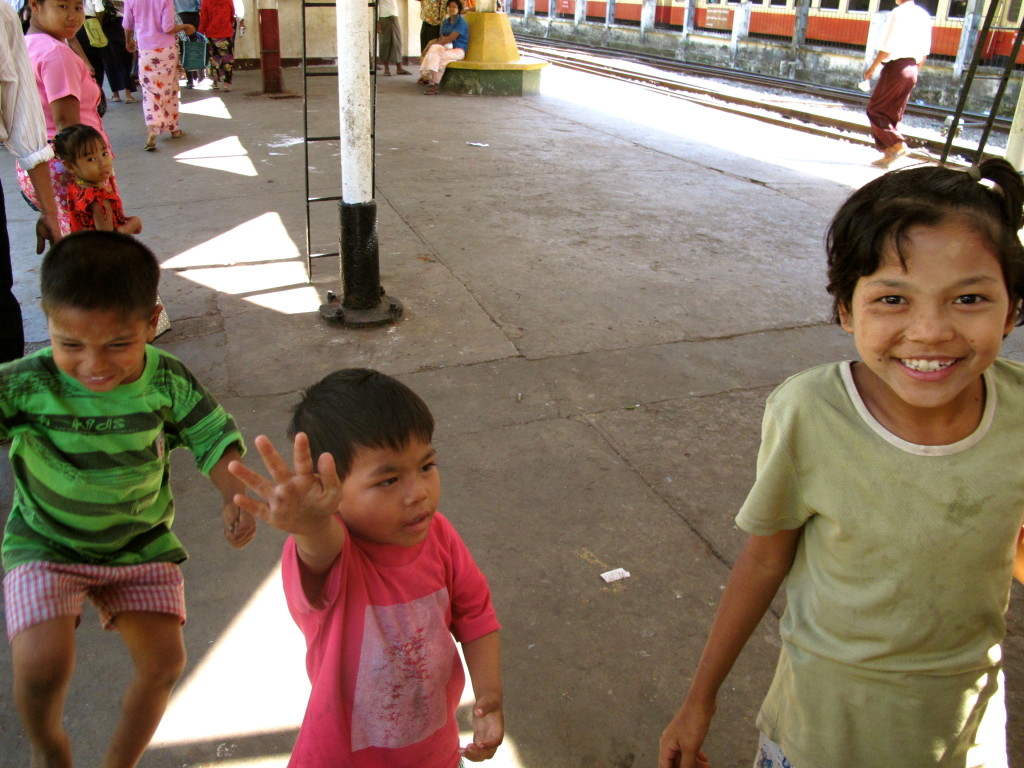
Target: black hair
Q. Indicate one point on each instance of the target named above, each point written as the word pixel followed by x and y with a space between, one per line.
pixel 75 141
pixel 359 408
pixel 879 216
pixel 457 2
pixel 99 270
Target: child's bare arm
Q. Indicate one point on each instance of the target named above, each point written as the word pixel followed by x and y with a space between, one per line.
pixel 101 217
pixel 760 570
pixel 132 226
pixel 1018 565
pixel 239 526
pixel 483 657
pixel 302 503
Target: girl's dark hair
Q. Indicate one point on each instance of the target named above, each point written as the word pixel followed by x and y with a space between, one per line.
pixel 99 270
pixel 75 140
pixel 879 216
pixel 359 408
pixel 457 2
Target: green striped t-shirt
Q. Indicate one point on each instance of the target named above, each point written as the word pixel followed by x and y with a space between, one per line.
pixel 92 470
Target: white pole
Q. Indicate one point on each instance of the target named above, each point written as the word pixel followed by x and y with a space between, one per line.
pixel 364 302
pixel 1015 141
pixel 354 100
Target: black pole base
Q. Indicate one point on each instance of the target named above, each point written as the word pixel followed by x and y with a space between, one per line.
pixel 388 310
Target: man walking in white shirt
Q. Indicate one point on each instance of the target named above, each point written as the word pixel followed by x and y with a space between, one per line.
pixel 905 43
pixel 389 37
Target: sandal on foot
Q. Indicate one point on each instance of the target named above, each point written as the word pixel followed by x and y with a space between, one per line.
pixel 130 100
pixel 177 134
pixel 150 143
pixel 430 91
pixel 401 71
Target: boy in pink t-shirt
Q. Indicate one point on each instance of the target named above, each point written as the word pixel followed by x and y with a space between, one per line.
pixel 378 581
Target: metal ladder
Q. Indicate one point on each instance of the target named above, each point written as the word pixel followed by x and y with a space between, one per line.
pixel 971 75
pixel 327 71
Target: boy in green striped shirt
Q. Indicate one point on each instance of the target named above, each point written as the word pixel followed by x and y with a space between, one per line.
pixel 92 420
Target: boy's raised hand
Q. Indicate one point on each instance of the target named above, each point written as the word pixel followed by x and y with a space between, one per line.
pixel 300 502
pixel 488 729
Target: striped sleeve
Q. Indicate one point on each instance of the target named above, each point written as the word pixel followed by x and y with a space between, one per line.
pixel 23 126
pixel 197 421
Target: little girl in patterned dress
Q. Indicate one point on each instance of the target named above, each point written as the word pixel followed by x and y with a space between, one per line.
pixel 93 199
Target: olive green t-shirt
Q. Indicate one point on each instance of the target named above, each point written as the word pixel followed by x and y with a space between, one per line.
pixel 896 599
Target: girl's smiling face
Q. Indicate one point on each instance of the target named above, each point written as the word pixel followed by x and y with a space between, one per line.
pixel 925 333
pixel 57 18
pixel 453 9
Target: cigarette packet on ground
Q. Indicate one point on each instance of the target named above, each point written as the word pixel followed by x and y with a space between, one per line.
pixel 615 575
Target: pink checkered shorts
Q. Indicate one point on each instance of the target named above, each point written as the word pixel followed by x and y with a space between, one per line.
pixel 39 591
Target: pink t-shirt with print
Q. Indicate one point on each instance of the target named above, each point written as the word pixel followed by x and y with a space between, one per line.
pixel 380 651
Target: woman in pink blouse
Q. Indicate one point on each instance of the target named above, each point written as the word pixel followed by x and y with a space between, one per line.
pixel 150 29
pixel 67 89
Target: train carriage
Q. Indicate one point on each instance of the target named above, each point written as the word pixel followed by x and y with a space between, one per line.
pixel 834 23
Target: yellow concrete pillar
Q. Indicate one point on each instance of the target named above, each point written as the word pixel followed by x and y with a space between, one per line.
pixel 491 38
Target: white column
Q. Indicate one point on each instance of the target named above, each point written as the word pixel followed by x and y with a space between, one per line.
pixel 1015 141
pixel 354 102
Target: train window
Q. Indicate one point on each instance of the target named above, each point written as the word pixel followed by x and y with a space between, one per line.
pixel 957 9
pixel 829 5
pixel 778 2
pixel 1013 11
pixel 858 6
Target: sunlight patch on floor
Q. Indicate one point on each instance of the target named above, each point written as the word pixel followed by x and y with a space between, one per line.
pixel 252 680
pixel 226 154
pixel 250 278
pixel 296 301
pixel 844 162
pixel 211 107
pixel 261 239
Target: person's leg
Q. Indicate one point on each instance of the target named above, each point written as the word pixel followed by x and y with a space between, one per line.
pixel 430 62
pixel 227 62
pixel 155 643
pixel 399 49
pixel 43 657
pixel 428 32
pixel 215 49
pixel 889 100
pixel 448 55
pixel 152 96
pixel 12 329
pixel 189 17
pixel 385 42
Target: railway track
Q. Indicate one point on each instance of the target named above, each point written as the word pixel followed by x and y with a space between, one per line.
pixel 822 110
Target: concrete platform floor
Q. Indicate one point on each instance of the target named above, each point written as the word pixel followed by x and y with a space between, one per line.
pixel 597 301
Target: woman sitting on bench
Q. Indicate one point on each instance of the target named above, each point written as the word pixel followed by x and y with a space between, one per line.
pixel 450 46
